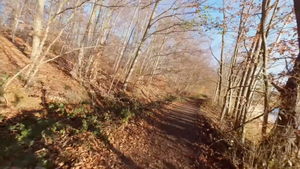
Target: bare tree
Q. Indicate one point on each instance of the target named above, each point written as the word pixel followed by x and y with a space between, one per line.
pixel 37 29
pixel 265 6
pixel 138 50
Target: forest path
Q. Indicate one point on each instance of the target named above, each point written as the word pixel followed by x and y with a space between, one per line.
pixel 167 140
pixel 175 137
pixel 172 139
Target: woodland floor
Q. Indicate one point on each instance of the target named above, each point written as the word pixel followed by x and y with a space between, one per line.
pixel 175 136
pixel 170 136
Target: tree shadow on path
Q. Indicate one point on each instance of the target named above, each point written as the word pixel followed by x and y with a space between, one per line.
pixel 178 130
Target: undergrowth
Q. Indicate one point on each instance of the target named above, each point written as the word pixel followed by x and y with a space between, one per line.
pixel 27 136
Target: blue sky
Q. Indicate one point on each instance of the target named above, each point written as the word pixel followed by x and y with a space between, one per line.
pixel 216 38
pixel 215 35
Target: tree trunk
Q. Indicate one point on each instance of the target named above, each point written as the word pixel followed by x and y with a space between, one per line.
pixel 37 29
pixel 226 105
pixel 137 52
pixel 289 94
pixel 265 5
pixel 78 69
pixel 274 146
pixel 18 14
pixel 125 41
pixel 220 84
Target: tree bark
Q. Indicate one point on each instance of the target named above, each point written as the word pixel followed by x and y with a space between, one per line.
pixel 20 8
pixel 265 5
pixel 37 28
pixel 227 98
pixel 220 84
pixel 290 94
pixel 274 145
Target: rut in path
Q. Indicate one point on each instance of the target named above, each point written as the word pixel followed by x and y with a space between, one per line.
pixel 171 140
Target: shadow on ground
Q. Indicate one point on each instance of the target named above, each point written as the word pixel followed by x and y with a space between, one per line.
pixel 173 136
pixel 63 135
pixel 188 137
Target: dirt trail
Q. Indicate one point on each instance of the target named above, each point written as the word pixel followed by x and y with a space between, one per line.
pixel 170 139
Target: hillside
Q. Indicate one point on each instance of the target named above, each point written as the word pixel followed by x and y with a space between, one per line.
pixel 58 86
pixel 126 133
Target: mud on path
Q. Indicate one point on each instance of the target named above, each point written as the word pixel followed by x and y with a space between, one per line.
pixel 176 137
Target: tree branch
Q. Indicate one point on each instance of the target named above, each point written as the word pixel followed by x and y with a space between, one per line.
pixel 212 53
pixel 71 8
pixel 278 88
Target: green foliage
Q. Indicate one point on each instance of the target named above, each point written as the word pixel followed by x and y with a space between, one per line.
pixel 107 116
pixel 138 106
pixel 26 136
pixel 170 98
pixel 2 118
pixel 85 126
pixel 54 107
pixel 22 138
pixel 79 112
pixel 126 115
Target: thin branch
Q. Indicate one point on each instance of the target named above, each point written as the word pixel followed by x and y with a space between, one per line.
pixel 16 75
pixel 161 30
pixel 58 56
pixel 148 5
pixel 71 8
pixel 212 53
pixel 251 120
pixel 154 20
pixel 279 89
pixel 169 16
pixel 114 6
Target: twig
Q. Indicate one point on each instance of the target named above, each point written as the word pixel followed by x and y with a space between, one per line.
pixel 71 8
pixel 249 121
pixel 49 60
pixel 212 53
pixel 15 76
pixel 280 89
